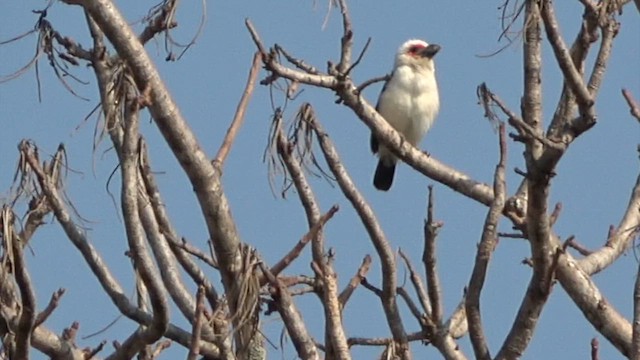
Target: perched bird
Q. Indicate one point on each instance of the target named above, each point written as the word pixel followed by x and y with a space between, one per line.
pixel 409 102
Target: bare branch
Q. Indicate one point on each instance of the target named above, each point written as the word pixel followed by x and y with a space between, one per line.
pixel 371 224
pixel 431 228
pixel 574 244
pixel 595 307
pixel 183 143
pixel 418 284
pixel 335 338
pixel 524 130
pixel 199 318
pixel 417 314
pixel 595 347
pixel 158 221
pixel 238 118
pixel 309 236
pixel 53 304
pixel 135 236
pixel 618 242
pixel 417 336
pixel 609 31
pixel 299 63
pixel 93 258
pixel 90 353
pixel 635 340
pixel 634 108
pixel 369 82
pixel 291 317
pixel 305 193
pixel 355 281
pixel 555 214
pixel 458 325
pixel 537 221
pixel 571 74
pixel 27 295
pixel 346 40
pixel 271 64
pixel 488 243
pixel 256 38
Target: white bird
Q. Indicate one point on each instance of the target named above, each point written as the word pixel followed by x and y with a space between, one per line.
pixel 409 102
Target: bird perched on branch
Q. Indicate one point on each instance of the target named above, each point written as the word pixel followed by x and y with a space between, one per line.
pixel 409 102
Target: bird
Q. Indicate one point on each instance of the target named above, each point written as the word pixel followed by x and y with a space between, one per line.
pixel 409 102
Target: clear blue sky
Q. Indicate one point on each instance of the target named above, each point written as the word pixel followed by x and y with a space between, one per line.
pixel 594 178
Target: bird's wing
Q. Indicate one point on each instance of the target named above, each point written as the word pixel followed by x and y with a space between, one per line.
pixel 374 141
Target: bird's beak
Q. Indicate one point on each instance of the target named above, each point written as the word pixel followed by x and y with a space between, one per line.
pixel 430 51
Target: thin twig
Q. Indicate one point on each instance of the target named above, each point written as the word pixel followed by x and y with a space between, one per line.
pixel 634 108
pixel 304 190
pixel 346 40
pixel 27 295
pixel 571 75
pixel 238 118
pixel 434 289
pixel 300 64
pixel 372 81
pixel 53 304
pixel 93 258
pixel 355 281
pixel 417 314
pixel 335 338
pixel 196 331
pixel 93 352
pixel 574 244
pixel 555 214
pixel 539 174
pixel 291 317
pixel 418 284
pixel 377 236
pixel 367 285
pixel 255 37
pixel 595 347
pixel 355 63
pixel 196 252
pixel 635 338
pixel 297 249
pixel 486 247
pixel 514 120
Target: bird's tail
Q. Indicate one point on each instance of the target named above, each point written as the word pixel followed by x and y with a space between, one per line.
pixel 383 177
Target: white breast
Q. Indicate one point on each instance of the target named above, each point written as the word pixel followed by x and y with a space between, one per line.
pixel 410 102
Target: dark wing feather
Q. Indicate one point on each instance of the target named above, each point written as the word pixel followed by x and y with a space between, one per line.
pixel 373 142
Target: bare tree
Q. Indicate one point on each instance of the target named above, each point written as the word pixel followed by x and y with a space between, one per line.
pixel 225 320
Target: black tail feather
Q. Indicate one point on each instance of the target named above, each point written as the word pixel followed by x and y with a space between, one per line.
pixel 383 177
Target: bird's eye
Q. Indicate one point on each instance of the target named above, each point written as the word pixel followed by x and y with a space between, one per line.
pixel 414 49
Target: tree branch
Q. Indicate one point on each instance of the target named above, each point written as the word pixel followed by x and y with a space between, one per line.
pixel 291 318
pixel 238 118
pixel 201 173
pixel 537 221
pixel 488 243
pixel 355 281
pixel 135 235
pixel 309 236
pixel 196 330
pixel 371 224
pixel 571 74
pixel 634 108
pixel 431 228
pixel 28 298
pixel 93 258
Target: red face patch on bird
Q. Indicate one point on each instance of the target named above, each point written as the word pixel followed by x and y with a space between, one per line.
pixel 415 49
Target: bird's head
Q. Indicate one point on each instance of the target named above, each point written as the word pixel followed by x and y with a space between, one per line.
pixel 418 54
